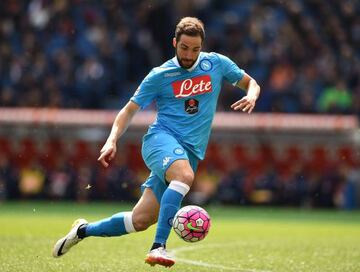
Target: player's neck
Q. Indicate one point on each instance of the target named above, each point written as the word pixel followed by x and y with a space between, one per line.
pixel 177 63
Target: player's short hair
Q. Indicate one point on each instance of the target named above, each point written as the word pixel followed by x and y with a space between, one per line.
pixel 191 26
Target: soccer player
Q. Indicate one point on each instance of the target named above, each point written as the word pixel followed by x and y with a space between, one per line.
pixel 186 89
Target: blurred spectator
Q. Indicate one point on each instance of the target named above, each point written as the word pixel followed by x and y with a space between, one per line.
pixel 121 181
pixel 263 178
pixel 205 186
pixel 60 179
pixel 32 180
pixel 231 189
pixel 84 181
pixel 265 186
pixel 293 185
pixel 9 188
pixel 336 99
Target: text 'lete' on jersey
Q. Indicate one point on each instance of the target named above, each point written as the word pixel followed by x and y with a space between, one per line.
pixel 186 98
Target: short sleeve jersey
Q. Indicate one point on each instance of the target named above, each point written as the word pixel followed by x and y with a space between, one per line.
pixel 186 99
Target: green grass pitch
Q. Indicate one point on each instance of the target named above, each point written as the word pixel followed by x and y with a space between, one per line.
pixel 241 239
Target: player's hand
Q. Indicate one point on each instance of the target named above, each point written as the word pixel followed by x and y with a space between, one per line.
pixel 107 153
pixel 246 104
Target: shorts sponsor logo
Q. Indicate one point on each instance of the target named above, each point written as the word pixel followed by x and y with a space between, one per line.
pixel 192 86
pixel 166 161
pixel 206 65
pixel 178 151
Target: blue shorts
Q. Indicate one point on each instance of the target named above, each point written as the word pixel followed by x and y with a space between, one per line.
pixel 159 151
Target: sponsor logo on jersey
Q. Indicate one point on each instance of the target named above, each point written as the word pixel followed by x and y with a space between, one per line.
pixel 172 74
pixel 206 65
pixel 191 106
pixel 192 86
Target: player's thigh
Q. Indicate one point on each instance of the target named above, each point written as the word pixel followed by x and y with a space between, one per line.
pixel 180 170
pixel 183 170
pixel 146 210
pixel 160 150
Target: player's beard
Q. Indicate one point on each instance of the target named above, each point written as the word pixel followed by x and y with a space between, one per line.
pixel 185 63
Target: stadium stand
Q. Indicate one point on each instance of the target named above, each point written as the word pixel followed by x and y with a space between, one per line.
pixel 93 54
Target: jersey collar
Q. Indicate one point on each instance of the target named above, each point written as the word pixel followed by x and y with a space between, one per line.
pixel 189 69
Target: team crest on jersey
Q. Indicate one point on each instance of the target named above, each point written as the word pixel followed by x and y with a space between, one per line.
pixel 178 151
pixel 192 86
pixel 206 65
pixel 191 106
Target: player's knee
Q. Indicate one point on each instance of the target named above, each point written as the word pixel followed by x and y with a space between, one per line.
pixel 187 177
pixel 142 221
pixel 183 175
pixel 181 171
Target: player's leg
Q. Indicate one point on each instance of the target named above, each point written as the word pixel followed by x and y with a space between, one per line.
pixel 143 215
pixel 181 176
pixel 146 211
pixel 174 168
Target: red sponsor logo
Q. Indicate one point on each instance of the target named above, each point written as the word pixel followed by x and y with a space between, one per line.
pixel 192 86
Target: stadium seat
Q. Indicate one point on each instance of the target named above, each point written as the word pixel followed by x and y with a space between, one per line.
pixel 134 158
pixel 319 161
pixel 5 147
pixel 52 149
pixel 214 157
pixel 81 154
pixel 27 153
pixel 292 155
pixel 240 155
pixel 348 155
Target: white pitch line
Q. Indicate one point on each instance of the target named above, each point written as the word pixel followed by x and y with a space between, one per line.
pixel 212 266
pixel 192 246
pixel 209 265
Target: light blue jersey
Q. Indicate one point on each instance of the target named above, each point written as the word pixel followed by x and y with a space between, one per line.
pixel 186 99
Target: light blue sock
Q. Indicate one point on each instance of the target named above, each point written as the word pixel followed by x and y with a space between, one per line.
pixel 116 225
pixel 169 205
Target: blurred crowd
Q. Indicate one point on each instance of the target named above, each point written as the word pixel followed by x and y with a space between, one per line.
pixel 61 170
pixel 93 54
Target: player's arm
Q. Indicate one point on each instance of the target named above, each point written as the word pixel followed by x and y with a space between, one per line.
pixel 120 125
pixel 247 103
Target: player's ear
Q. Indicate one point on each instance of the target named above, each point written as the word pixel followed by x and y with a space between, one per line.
pixel 174 42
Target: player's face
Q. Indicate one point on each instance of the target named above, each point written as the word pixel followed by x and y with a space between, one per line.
pixel 187 50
